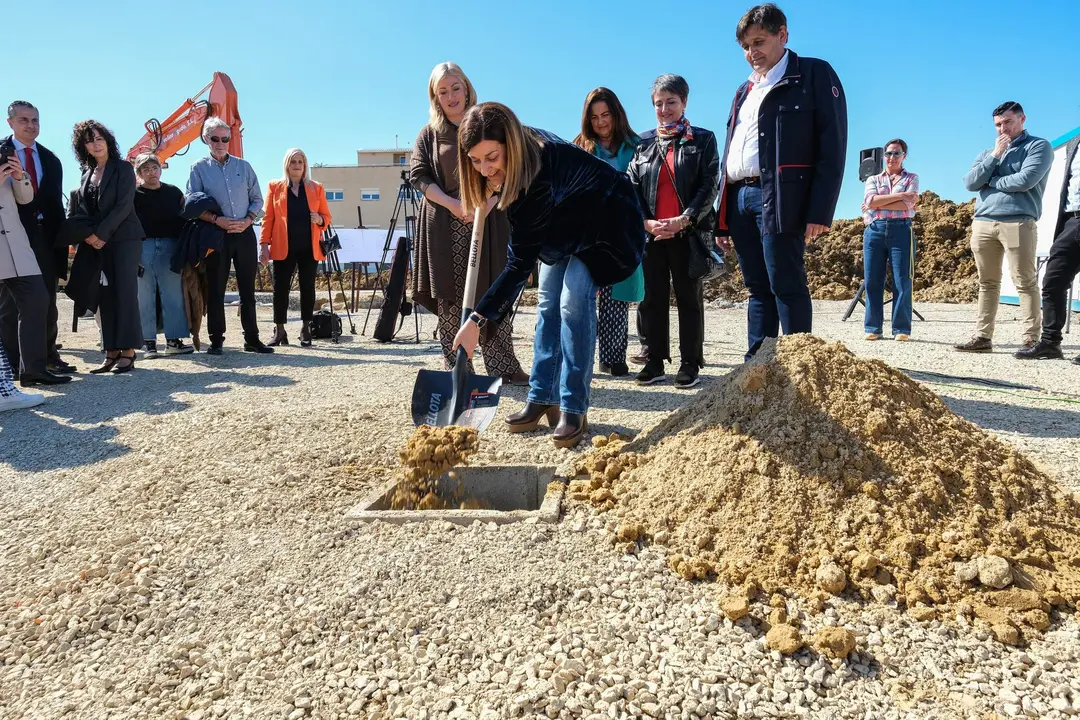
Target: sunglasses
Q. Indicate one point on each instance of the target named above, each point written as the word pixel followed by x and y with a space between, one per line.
pixel 894 153
pixel 215 138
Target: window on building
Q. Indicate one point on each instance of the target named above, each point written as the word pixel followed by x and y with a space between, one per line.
pixel 335 195
pixel 417 195
pixel 399 159
pixel 369 193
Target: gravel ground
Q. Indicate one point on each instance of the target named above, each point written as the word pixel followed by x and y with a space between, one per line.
pixel 172 546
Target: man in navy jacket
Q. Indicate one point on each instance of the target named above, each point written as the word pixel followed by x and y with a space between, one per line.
pixel 781 172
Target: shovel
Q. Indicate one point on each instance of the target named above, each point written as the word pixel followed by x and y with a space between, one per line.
pixel 458 397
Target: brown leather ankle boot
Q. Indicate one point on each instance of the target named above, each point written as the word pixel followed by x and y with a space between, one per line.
pixel 280 337
pixel 528 418
pixel 571 430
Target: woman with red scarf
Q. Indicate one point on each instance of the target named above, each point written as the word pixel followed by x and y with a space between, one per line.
pixel 675 170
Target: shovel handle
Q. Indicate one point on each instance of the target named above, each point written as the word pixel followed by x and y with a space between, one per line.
pixel 475 246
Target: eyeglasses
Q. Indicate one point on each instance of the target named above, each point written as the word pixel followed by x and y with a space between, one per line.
pixel 894 153
pixel 215 138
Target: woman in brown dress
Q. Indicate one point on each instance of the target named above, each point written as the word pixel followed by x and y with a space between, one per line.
pixel 444 229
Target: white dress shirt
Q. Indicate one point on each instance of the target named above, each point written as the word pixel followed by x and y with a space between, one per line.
pixel 742 158
pixel 22 157
pixel 1072 198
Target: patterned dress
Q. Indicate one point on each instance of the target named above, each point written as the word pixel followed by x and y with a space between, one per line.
pixel 442 252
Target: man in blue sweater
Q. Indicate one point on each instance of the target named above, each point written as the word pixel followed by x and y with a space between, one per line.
pixel 1010 179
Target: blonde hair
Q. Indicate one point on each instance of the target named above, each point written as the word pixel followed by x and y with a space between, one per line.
pixel 437 117
pixel 495 121
pixel 289 154
pixel 145 159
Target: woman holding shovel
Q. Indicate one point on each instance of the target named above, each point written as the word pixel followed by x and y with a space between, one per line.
pixel 580 218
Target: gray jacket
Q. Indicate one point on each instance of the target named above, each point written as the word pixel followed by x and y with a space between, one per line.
pixel 1011 189
pixel 16 257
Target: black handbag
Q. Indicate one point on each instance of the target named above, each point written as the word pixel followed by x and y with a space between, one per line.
pixel 325 325
pixel 703 263
pixel 329 242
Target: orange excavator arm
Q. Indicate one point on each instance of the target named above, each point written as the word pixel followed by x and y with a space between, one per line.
pixel 172 136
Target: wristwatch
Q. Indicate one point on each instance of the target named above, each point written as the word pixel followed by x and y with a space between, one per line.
pixel 479 319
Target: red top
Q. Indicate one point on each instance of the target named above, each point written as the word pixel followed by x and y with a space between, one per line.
pixel 667 200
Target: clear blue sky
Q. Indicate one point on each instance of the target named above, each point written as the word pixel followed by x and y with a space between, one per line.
pixel 334 77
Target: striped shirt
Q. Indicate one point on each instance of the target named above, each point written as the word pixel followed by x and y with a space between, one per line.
pixel 882 184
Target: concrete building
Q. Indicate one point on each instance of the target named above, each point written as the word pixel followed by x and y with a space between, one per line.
pixel 371 185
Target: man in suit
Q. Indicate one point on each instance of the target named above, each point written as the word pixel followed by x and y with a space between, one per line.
pixel 1062 265
pixel 22 294
pixel 781 172
pixel 42 217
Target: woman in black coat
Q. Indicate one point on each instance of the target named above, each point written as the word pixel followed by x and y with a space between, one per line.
pixel 675 171
pixel 580 218
pixel 106 195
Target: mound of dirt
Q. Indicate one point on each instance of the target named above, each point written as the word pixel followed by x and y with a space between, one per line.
pixel 810 471
pixel 944 266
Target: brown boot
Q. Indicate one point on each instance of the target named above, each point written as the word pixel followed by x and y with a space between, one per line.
pixel 975 345
pixel 571 430
pixel 518 379
pixel 280 337
pixel 528 418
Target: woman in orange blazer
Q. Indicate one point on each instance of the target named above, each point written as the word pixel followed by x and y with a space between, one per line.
pixel 296 214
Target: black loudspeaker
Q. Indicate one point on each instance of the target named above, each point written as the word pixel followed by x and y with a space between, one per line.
pixel 394 303
pixel 871 162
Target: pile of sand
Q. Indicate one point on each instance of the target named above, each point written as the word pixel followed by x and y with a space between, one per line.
pixel 944 266
pixel 810 471
pixel 429 453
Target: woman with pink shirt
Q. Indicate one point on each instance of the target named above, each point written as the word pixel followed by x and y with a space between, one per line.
pixel 888 210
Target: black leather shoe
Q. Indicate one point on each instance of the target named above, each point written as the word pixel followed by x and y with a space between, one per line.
pixel 528 418
pixel 59 366
pixel 1041 350
pixel 214 349
pixel 571 430
pixel 46 378
pixel 256 346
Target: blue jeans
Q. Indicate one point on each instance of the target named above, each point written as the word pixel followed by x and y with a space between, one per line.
pixel 158 277
pixel 773 270
pixel 565 337
pixel 894 241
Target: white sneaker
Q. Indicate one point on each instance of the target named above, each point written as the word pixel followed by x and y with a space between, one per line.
pixel 20 400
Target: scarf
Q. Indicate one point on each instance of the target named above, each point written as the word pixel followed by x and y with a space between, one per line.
pixel 680 129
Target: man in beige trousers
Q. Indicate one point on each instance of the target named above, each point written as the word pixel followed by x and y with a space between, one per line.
pixel 1010 179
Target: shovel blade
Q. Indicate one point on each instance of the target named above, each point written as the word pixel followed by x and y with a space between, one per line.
pixel 432 400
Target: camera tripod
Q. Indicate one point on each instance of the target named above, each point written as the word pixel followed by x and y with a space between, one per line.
pixel 406 208
pixel 860 296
